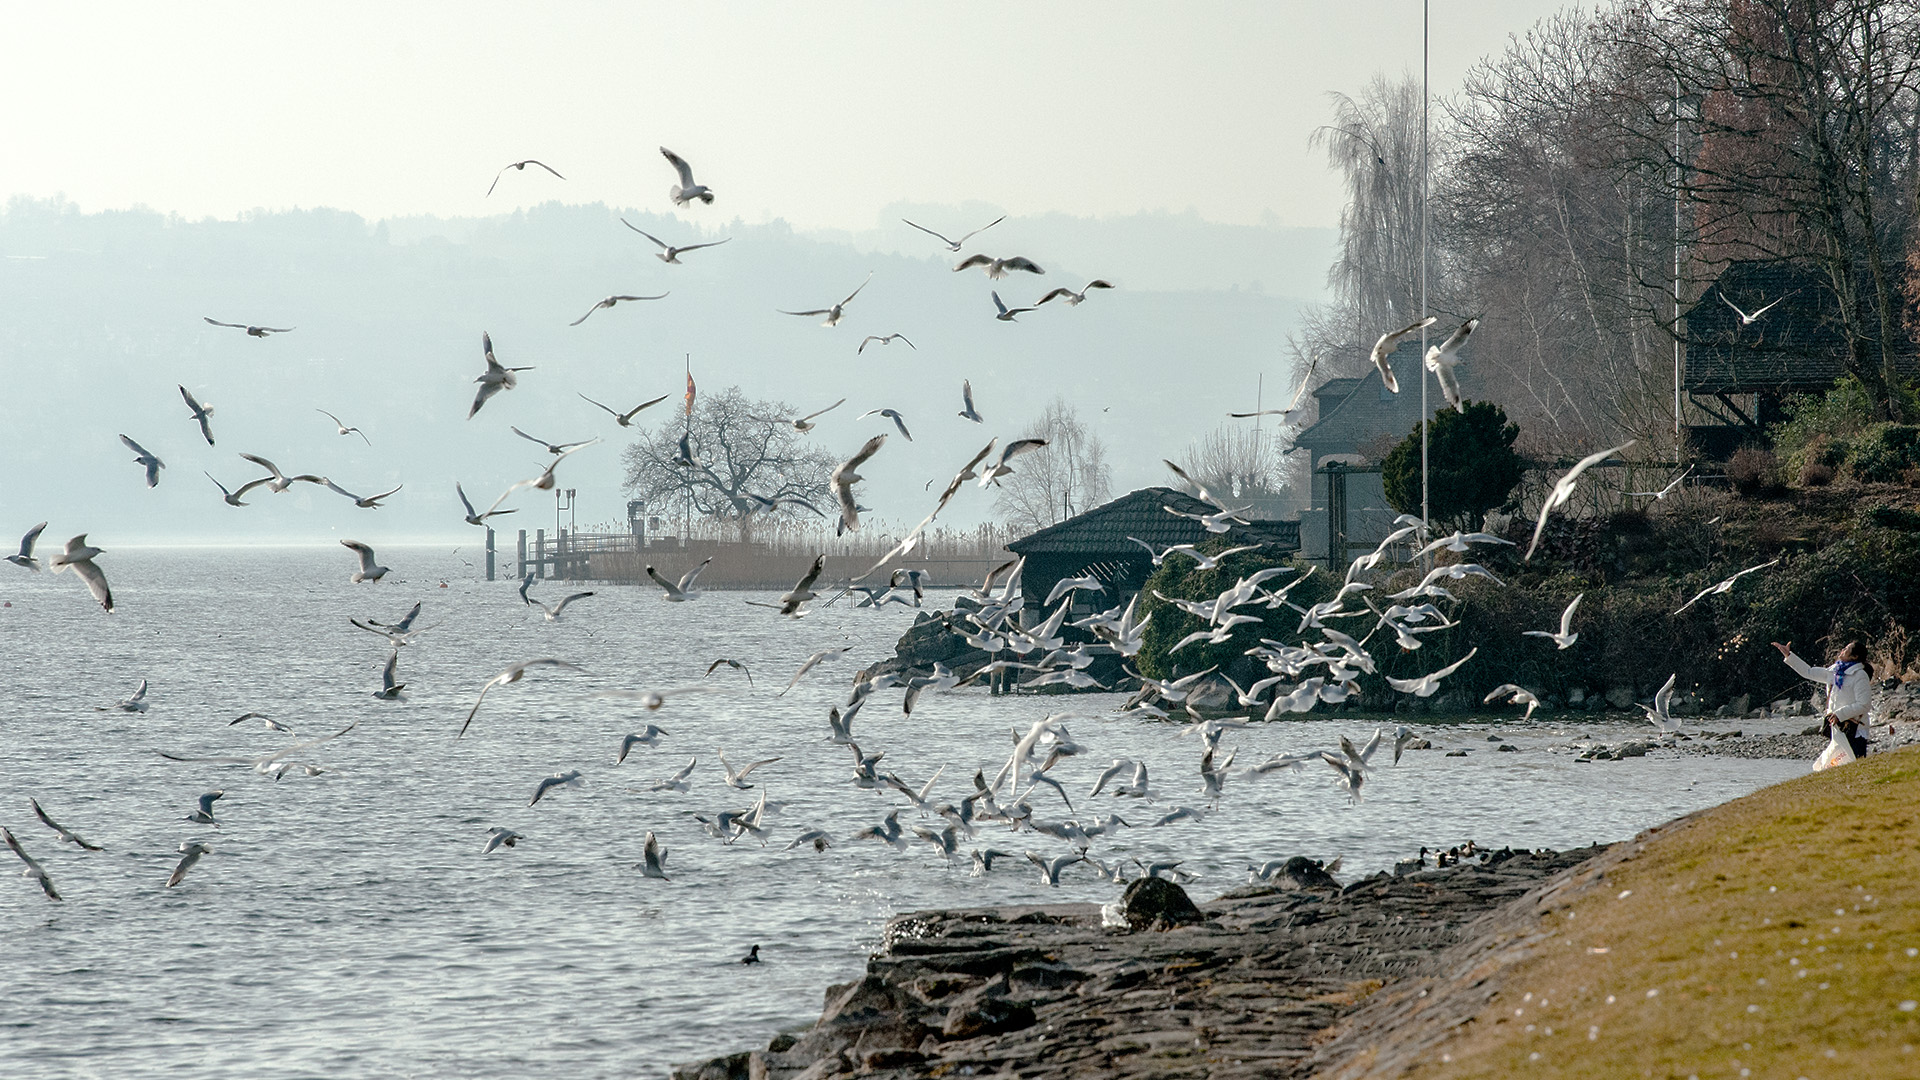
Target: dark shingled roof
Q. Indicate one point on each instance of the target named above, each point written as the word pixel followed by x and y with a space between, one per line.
pixel 1797 345
pixel 1104 529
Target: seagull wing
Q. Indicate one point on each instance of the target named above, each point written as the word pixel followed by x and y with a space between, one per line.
pixel 976 232
pixel 96 581
pixel 680 166
pixel 217 322
pixel 645 233
pixel 944 240
pixel 1566 617
pixel 829 408
pixel 856 292
pixel 32 536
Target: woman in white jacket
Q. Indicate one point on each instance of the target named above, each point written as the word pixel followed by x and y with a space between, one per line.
pixel 1849 683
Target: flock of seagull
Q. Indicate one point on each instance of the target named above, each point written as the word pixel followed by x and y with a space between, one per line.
pixel 1323 666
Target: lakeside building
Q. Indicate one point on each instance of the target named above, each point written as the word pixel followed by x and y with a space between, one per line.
pixel 1100 543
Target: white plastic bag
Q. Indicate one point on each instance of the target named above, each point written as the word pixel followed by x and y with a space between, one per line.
pixel 1839 751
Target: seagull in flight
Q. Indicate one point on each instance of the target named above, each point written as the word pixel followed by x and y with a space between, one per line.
pixel 625 419
pixel 1444 357
pixel 498 838
pixel 513 674
pixel 954 245
pixel 1515 695
pixel 1383 349
pixel 1746 319
pixel 609 302
pixel 203 814
pixel 1008 452
pixel 364 502
pixel 1672 486
pixel 1565 638
pixel 966 397
pixel 884 339
pixel 496 378
pixel 649 737
pixel 997 268
pixel 835 312
pixel 552 448
pixel 810 662
pixel 737 778
pixel 844 477
pixel 276 480
pixel 200 413
pixel 1074 299
pixel 66 835
pixel 802 591
pixel 33 869
pixel 369 570
pixel 481 519
pixel 137 703
pixel 805 423
pixel 734 664
pixel 25 558
pixel 686 190
pixel 1006 314
pixel 892 415
pixel 570 778
pixel 78 557
pixel 682 590
pixel 678 781
pixel 1723 586
pixel 1660 713
pixel 668 253
pixel 1291 405
pixel 519 166
pixel 337 422
pixel 146 460
pixel 389 688
pixel 1425 685
pixel 1563 489
pixel 656 857
pixel 554 611
pixel 190 852
pixel 254 331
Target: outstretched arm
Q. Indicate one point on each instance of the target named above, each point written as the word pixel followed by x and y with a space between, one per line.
pixel 1823 676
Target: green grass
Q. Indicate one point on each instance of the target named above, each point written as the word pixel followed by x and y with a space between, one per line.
pixel 1779 934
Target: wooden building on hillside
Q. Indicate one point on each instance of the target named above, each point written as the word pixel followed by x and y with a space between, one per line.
pixel 1739 373
pixel 1100 543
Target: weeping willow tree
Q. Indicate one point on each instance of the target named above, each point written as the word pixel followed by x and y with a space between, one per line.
pixel 1374 144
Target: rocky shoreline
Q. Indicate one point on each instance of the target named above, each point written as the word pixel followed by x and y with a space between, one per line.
pixel 1253 983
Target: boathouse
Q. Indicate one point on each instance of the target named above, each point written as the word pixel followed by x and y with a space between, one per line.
pixel 1100 543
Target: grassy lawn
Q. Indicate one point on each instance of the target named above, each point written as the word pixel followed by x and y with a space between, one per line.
pixel 1775 936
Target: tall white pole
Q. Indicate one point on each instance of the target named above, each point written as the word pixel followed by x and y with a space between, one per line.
pixel 1426 513
pixel 1678 447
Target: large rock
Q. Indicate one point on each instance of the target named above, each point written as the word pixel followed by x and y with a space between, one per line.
pixel 1159 904
pixel 985 1010
pixel 1620 697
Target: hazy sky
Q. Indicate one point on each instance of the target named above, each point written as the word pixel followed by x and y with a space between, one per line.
pixel 820 114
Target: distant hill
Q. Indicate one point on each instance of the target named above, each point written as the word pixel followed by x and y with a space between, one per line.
pixel 102 317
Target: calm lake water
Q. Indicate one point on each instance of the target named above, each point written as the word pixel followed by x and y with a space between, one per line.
pixel 347 924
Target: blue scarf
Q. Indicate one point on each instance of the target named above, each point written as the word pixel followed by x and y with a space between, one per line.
pixel 1840 672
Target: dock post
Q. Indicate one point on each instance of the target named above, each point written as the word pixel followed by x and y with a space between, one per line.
pixel 489 553
pixel 540 553
pixel 520 561
pixel 561 567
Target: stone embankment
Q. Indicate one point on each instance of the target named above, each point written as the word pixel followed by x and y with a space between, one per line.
pixel 1250 984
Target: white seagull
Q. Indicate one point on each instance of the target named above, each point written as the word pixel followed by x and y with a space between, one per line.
pixel 678 781
pixel 1746 319
pixel 78 557
pixel 844 477
pixel 1515 695
pixel 804 423
pixel 1008 452
pixel 1563 489
pixel 668 253
pixel 276 480
pixel 835 312
pixel 200 413
pixel 33 869
pixel 253 331
pixel 389 688
pixel 1004 313
pixel 25 558
pixel 655 856
pixel 966 397
pixel 682 590
pixel 1383 349
pixel 498 838
pixel 1444 357
pixel 369 570
pixel 338 423
pixel 686 190
pixel 1724 586
pixel 1672 486
pixel 802 591
pixel 481 519
pixel 954 245
pixel 738 778
pixel 649 737
pixel 66 835
pixel 1298 393
pixel 1660 713
pixel 551 447
pixel 997 268
pixel 625 419
pixel 364 502
pixel 1565 638
pixel 884 339
pixel 1074 298
pixel 570 778
pixel 554 611
pixel 495 379
pixel 1425 685
pixel 145 460
pixel 893 415
pixel 190 852
pixel 513 674
pixel 610 301
pixel 519 166
pixel 809 664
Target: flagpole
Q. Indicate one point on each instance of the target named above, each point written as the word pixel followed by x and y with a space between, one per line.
pixel 686 526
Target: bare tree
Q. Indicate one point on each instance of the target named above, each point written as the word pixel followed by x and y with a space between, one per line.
pixel 1068 476
pixel 1237 461
pixel 742 468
